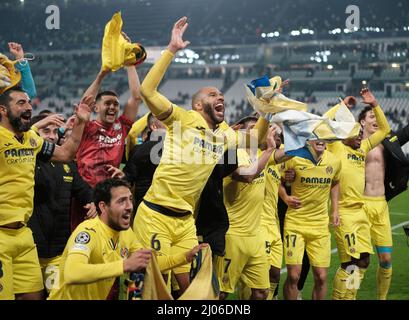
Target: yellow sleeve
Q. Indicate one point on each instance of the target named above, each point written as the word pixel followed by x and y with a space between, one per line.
pixel 170 262
pixel 38 141
pixel 156 102
pixel 77 269
pixel 272 160
pixel 331 112
pixel 383 128
pixel 164 263
pixel 243 158
pixel 334 146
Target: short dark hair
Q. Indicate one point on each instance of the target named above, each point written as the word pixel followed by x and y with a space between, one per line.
pixel 196 96
pixel 102 191
pixel 105 93
pixel 46 112
pixel 244 121
pixel 5 96
pixel 363 113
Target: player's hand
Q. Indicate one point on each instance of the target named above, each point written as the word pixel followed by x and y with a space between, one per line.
pixel 138 261
pixel 271 142
pixel 190 255
pixel 70 122
pixel 289 175
pixel 350 101
pixel 283 84
pixel 83 110
pixel 176 42
pixel 16 50
pixel 92 211
pixel 335 219
pixel 53 119
pixel 293 202
pixel 368 97
pixel 115 172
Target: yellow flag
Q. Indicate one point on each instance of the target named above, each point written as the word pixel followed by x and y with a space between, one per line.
pixel 9 76
pixel 116 50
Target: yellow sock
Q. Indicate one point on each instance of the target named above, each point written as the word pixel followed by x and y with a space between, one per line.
pixel 271 291
pixel 243 292
pixel 339 286
pixel 383 281
pixel 353 290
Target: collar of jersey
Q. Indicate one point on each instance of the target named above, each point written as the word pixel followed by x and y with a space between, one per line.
pixel 111 233
pixel 11 134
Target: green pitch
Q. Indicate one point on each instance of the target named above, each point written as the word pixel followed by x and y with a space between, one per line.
pixel 399 290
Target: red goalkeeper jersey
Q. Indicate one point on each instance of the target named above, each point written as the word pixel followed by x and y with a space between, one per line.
pixel 101 146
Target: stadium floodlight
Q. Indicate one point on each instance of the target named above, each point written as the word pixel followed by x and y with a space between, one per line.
pixel 330 67
pixel 395 65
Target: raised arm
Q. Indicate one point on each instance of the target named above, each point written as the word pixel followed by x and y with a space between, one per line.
pixel 66 152
pixel 382 122
pixel 132 105
pixel 349 101
pixel 160 106
pixel 248 173
pixel 27 81
pixel 93 89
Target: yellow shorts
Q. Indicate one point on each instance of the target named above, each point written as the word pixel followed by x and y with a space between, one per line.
pixel 20 270
pixel 377 211
pixel 245 258
pixel 353 236
pixel 51 272
pixel 167 235
pixel 317 242
pixel 272 244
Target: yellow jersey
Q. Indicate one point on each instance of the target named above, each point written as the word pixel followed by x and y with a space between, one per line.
pixel 312 186
pixel 353 161
pixel 17 164
pixel 191 150
pixel 269 214
pixel 244 201
pixel 104 249
pixel 352 179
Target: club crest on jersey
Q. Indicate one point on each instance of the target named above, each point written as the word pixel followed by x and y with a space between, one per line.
pixel 66 168
pixel 124 252
pixel 289 253
pixel 1 287
pixel 352 250
pixel 83 237
pixel 117 126
pixel 33 142
pixel 329 170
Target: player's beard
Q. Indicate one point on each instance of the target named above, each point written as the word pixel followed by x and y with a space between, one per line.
pixel 17 123
pixel 211 112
